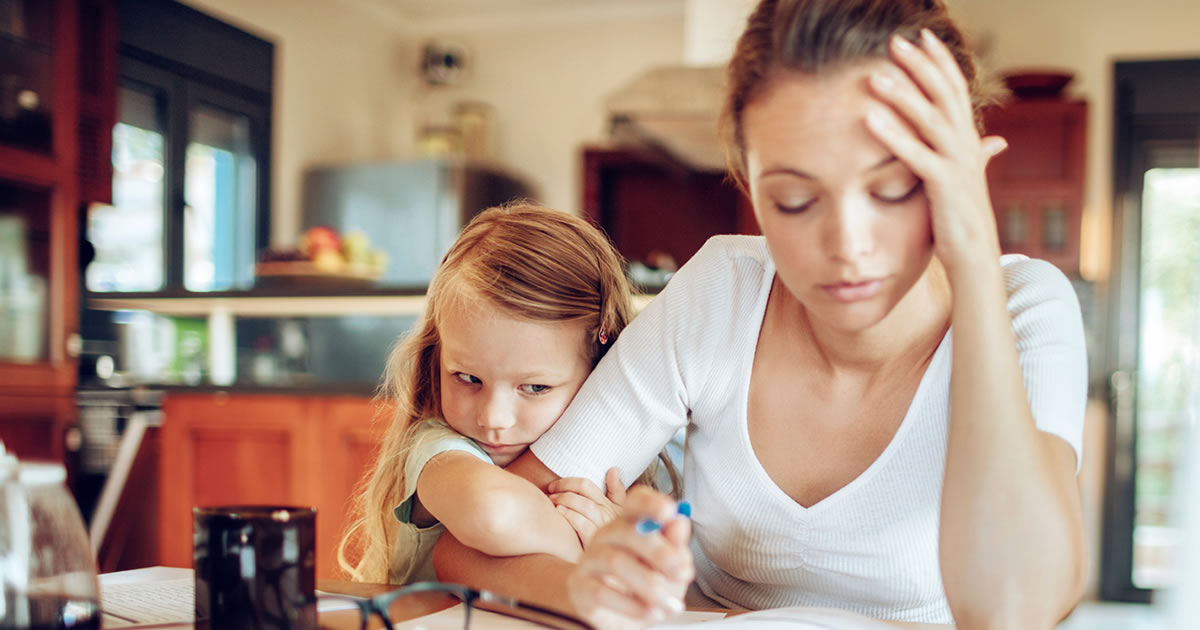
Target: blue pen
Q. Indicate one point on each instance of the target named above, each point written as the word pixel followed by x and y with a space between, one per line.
pixel 649 525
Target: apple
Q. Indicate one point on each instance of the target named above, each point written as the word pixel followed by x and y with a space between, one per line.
pixel 320 238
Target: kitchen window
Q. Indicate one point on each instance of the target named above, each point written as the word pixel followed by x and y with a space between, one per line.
pixel 191 156
pixel 1153 355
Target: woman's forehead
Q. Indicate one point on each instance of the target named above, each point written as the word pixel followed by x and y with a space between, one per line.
pixel 813 121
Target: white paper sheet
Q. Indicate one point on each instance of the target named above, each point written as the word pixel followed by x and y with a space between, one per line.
pixel 792 619
pixel 148 603
pixel 138 601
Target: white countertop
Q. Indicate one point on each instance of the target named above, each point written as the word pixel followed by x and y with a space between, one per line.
pixel 280 306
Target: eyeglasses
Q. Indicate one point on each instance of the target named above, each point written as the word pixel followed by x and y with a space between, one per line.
pixel 426 597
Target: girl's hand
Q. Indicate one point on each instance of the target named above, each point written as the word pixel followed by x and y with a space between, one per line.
pixel 584 506
pixel 927 121
pixel 627 579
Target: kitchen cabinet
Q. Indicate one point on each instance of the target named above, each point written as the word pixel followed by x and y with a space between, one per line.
pixel 650 204
pixel 1037 184
pixel 33 426
pixel 228 448
pixel 57 80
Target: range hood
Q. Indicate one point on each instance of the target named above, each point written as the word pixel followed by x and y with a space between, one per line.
pixel 673 109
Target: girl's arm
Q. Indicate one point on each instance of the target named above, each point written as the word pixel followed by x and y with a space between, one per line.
pixel 1011 538
pixel 513 519
pixel 493 510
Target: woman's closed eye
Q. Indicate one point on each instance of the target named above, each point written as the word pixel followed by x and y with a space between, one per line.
pixel 466 379
pixel 794 205
pixel 533 389
pixel 898 192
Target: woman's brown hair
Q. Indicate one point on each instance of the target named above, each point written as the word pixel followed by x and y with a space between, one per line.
pixel 818 36
pixel 528 262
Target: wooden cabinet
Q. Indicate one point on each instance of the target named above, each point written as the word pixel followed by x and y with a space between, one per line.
pixel 39 192
pixel 223 449
pixel 1037 184
pixel 33 426
pixel 57 77
pixel 650 204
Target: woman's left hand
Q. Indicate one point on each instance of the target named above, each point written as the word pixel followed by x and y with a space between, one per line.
pixel 585 506
pixel 926 119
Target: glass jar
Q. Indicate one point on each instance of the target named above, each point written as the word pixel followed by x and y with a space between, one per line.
pixel 473 119
pixel 438 141
pixel 47 571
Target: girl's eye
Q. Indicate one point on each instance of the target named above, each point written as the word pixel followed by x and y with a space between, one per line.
pixel 535 389
pixel 891 194
pixel 467 378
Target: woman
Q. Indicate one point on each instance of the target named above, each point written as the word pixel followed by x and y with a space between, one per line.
pixel 883 415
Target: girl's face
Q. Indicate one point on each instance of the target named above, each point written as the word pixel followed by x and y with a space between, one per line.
pixel 504 381
pixel 846 223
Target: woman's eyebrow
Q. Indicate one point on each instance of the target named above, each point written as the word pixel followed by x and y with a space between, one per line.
pixel 882 163
pixel 787 170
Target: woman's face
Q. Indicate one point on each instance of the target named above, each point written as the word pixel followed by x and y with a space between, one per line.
pixel 847 223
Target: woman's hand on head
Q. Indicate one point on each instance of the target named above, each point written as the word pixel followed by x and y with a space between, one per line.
pixel 585 506
pixel 927 121
pixel 631 579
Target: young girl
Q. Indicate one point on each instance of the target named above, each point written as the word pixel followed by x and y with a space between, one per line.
pixel 521 309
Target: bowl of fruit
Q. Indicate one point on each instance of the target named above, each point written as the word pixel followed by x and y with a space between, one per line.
pixel 323 259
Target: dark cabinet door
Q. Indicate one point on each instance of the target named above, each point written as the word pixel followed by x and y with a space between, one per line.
pixel 1037 184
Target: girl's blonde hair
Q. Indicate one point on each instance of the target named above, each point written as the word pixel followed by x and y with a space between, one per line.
pixel 530 263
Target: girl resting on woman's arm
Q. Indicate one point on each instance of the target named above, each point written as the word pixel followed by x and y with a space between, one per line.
pixel 524 304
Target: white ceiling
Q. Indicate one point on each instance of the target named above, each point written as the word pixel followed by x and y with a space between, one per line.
pixel 471 9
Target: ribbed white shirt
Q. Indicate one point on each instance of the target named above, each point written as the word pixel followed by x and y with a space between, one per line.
pixel 870 547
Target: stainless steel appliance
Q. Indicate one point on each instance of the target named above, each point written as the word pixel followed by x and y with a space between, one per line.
pixel 413 210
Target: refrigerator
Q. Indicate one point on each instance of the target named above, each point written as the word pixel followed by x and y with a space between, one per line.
pixel 413 210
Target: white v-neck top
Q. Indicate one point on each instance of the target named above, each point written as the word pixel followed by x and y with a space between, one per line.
pixel 871 546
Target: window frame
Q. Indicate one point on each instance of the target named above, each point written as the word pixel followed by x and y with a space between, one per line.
pixel 1156 104
pixel 167 48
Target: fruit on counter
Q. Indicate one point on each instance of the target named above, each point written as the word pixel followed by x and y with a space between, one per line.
pixel 356 249
pixel 320 238
pixel 330 252
pixel 328 261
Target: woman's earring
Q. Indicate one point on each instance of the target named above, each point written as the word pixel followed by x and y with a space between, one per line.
pixel 602 337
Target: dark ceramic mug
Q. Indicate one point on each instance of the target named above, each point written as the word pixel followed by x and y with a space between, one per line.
pixel 255 566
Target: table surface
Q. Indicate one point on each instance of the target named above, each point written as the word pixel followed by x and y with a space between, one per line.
pixel 1089 615
pixel 413 607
